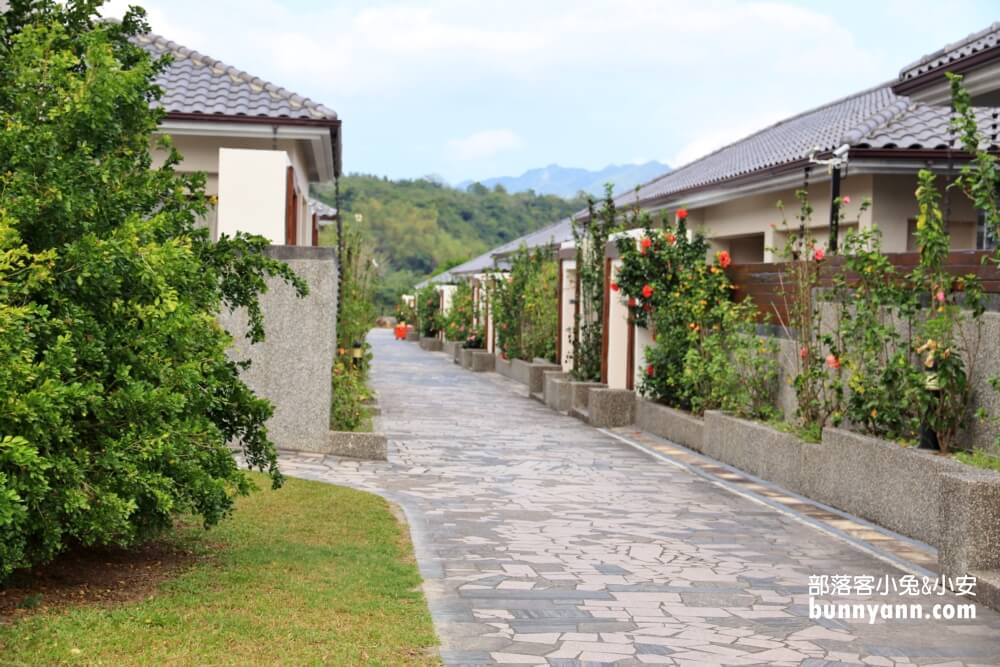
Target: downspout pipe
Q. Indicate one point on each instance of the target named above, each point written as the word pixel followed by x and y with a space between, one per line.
pixel 834 209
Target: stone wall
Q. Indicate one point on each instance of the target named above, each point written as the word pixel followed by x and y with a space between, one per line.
pixel 292 367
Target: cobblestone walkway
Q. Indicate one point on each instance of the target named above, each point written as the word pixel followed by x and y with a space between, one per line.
pixel 546 542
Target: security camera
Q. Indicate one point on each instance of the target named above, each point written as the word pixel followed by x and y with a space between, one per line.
pixel 842 151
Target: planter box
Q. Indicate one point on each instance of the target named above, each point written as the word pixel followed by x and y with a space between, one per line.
pixel 465 358
pixel 674 425
pixel 611 407
pixel 430 344
pixel 916 493
pixel 969 521
pixel 503 367
pixel 756 448
pixel 451 347
pixel 371 446
pixel 893 486
pixel 481 361
pixel 558 391
pixel 536 375
pixel 519 370
pixel 580 405
pixel 350 444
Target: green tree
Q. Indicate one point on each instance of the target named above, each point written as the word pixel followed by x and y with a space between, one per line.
pixel 117 399
pixel 421 227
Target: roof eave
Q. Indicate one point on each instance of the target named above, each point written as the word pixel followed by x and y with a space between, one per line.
pixel 329 164
pixel 908 86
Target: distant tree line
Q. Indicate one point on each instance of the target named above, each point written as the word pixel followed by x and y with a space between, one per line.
pixel 421 227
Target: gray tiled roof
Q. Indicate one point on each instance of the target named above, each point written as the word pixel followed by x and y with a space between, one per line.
pixel 927 127
pixel 323 211
pixel 197 84
pixel 787 141
pixel 952 53
pixel 874 118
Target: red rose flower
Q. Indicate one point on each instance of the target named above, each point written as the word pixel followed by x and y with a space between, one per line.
pixel 647 291
pixel 646 242
pixel 614 287
pixel 724 259
pixel 671 239
pixel 832 361
pixel 682 213
pixel 650 370
pixel 631 301
pixel 647 307
pixel 819 255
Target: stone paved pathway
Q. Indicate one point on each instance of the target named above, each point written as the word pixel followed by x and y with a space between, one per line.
pixel 546 542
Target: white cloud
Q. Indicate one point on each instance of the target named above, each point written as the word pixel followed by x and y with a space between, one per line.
pixel 483 144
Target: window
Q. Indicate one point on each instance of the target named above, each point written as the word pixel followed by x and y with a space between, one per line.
pixel 984 237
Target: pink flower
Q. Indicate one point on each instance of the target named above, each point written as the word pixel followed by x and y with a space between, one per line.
pixel 819 255
pixel 646 242
pixel 832 361
pixel 940 296
pixel 614 287
pixel 671 239
pixel 647 291
pixel 846 199
pixel 804 352
pixel 724 259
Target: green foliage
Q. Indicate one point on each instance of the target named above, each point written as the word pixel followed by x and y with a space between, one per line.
pixel 979 179
pixel 422 226
pixel 359 277
pixel 706 354
pixel 117 399
pixel 949 389
pixel 591 237
pixel 873 302
pixel 979 459
pixel 347 410
pixel 895 354
pixel 428 305
pixel 522 300
pixel 819 382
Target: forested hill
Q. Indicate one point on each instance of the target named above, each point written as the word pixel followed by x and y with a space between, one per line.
pixel 421 227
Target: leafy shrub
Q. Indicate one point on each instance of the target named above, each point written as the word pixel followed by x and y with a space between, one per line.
pixel 526 323
pixel 348 412
pixel 117 399
pixel 860 366
pixel 591 237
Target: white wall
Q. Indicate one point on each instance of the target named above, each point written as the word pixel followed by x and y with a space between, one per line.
pixel 252 193
pixel 568 268
pixel 617 333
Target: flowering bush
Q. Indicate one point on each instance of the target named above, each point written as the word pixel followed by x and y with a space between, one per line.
pixel 706 353
pixel 428 304
pixel 458 321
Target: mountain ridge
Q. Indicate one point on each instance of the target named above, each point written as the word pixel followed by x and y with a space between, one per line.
pixel 554 179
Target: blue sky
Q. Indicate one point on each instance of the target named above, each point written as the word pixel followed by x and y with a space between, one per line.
pixel 473 90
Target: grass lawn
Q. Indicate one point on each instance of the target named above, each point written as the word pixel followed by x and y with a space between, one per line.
pixel 309 574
